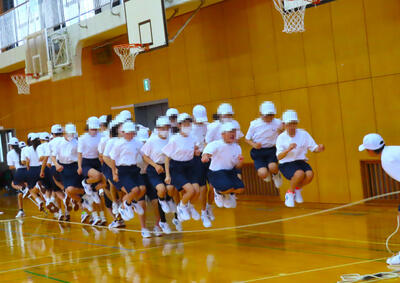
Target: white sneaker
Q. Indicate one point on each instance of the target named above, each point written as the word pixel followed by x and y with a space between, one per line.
pixel 165 227
pixel 20 214
pixel 183 212
pixel 114 224
pixel 138 208
pixel 193 212
pixel 101 192
pixel 84 216
pixel 394 260
pixel 146 233
pixel 25 193
pixel 115 207
pixel 277 180
pixel 126 212
pixel 230 201
pixel 210 212
pixel 268 178
pixel 164 206
pixel 157 231
pixel 95 197
pixel 172 206
pixel 205 219
pixel 96 221
pixel 219 199
pixel 298 198
pixel 178 224
pixel 60 216
pixel 289 199
pixel 87 187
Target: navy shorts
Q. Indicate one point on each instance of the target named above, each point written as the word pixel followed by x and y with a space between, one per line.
pixel 151 192
pixel 263 156
pixel 56 175
pixel 107 172
pixel 201 169
pixel 288 169
pixel 88 164
pixel 33 176
pixel 107 201
pixel 20 176
pixel 154 178
pixel 48 181
pixel 70 177
pixel 223 180
pixel 129 177
pixel 182 173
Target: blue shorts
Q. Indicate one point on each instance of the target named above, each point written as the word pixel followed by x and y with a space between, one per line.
pixel 151 192
pixel 263 157
pixel 201 170
pixel 129 177
pixel 182 173
pixel 107 172
pixel 107 201
pixel 223 180
pixel 48 181
pixel 88 164
pixel 154 178
pixel 288 169
pixel 56 175
pixel 70 177
pixel 20 176
pixel 33 176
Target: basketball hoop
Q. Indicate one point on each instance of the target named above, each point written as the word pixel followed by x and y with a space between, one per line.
pixel 128 52
pixel 293 18
pixel 22 82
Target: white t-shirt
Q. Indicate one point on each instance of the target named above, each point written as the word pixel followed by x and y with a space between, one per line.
pixel 30 153
pixel 67 151
pixel 109 146
pixel 214 131
pixel 225 156
pixel 126 153
pixel 54 145
pixel 102 143
pixel 199 132
pixel 180 148
pixel 43 150
pixel 264 133
pixel 390 159
pixel 153 149
pixel 304 143
pixel 87 145
pixel 13 159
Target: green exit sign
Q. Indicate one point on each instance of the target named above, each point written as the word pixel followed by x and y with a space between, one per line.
pixel 147 84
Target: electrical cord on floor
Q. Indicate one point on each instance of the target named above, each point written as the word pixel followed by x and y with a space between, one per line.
pixel 391 235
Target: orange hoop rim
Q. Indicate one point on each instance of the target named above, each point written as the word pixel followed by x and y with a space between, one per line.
pixel 133 45
pixel 33 75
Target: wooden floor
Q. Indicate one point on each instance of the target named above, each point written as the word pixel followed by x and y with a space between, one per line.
pixel 311 249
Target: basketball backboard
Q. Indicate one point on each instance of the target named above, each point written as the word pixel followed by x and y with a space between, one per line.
pixel 146 23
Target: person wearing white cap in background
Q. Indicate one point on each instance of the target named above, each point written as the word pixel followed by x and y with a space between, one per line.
pixel 51 189
pixel 125 156
pixel 179 170
pixel 199 131
pixel 172 115
pixel 292 146
pixel 30 158
pixel 226 156
pixel 261 136
pixel 89 167
pixel 19 173
pixel 390 159
pixel 104 120
pixel 153 155
pixel 125 115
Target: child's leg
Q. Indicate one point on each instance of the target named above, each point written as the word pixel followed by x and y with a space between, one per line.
pixel 309 175
pixel 20 201
pixel 273 168
pixel 297 180
pixel 161 191
pixel 262 172
pixel 157 212
pixel 196 194
pixel 142 218
pixel 188 193
pixel 203 197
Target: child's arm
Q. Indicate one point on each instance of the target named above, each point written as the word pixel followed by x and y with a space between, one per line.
pixel 167 173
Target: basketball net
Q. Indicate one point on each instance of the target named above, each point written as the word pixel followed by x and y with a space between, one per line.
pixel 22 83
pixel 127 53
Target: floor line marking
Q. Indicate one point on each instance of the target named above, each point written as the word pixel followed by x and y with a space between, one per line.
pixel 45 276
pixel 313 270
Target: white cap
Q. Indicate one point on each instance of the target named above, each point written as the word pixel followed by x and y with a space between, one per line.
pixel 44 136
pixel 56 129
pixel 93 123
pixel 125 115
pixel 372 142
pixel 200 114
pixel 267 108
pixel 30 135
pixel 119 119
pixel 227 127
pixel 34 136
pixel 290 116
pixel 182 117
pixel 224 109
pixel 162 121
pixel 103 119
pixel 13 141
pixel 70 129
pixel 112 124
pixel 22 144
pixel 172 112
pixel 128 127
pixel 143 134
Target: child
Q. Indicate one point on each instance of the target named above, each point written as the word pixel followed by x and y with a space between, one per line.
pixel 226 156
pixel 292 146
pixel 261 136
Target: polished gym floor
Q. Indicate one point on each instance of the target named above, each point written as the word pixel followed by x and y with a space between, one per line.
pixel 243 247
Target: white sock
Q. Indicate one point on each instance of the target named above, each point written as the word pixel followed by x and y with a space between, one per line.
pixel 38 200
pixel 102 214
pixel 94 214
pixel 66 213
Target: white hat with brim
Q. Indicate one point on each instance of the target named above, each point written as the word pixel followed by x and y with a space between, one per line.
pixel 267 108
pixel 56 129
pixel 70 129
pixel 172 112
pixel 372 142
pixel 22 144
pixel 129 127
pixel 228 127
pixel 183 117
pixel 13 141
pixel 290 116
pixel 162 121
pixel 200 114
pixel 44 136
pixel 93 123
pixel 103 119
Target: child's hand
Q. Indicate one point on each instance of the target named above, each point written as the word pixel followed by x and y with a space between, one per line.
pixel 257 145
pixel 167 180
pixel 205 158
pixel 159 169
pixel 240 158
pixel 292 146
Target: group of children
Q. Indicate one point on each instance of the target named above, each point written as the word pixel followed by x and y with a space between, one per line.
pixel 116 164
